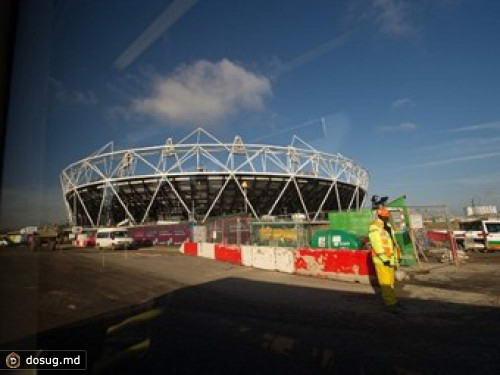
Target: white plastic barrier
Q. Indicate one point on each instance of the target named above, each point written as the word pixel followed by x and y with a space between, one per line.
pixel 247 255
pixel 206 250
pixel 263 257
pixel 284 259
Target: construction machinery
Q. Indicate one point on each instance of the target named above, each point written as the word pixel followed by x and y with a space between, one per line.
pixel 48 236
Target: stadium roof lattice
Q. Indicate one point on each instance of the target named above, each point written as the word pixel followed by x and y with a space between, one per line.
pixel 200 176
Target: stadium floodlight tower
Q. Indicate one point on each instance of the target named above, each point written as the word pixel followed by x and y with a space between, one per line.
pixel 200 176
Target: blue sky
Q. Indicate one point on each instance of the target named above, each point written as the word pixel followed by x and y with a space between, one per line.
pixel 410 90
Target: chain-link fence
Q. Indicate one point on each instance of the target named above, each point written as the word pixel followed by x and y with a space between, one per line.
pixel 283 233
pixel 244 230
pixel 423 232
pixel 229 230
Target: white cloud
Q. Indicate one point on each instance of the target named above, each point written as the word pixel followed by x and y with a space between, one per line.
pixel 404 126
pixel 403 102
pixel 205 92
pixel 459 150
pixel 486 125
pixel 484 180
pixel 459 159
pixel 69 96
pixel 462 143
pixel 392 17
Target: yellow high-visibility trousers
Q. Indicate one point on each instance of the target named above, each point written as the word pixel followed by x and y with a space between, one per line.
pixel 385 276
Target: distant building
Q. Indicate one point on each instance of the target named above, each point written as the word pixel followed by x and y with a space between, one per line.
pixel 480 210
pixel 28 230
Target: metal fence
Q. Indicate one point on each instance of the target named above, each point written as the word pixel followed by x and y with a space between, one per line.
pixel 229 230
pixel 427 230
pixel 284 233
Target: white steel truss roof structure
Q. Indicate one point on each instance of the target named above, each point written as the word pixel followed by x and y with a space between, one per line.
pixel 200 176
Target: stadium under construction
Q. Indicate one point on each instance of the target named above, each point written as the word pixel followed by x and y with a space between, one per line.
pixel 200 176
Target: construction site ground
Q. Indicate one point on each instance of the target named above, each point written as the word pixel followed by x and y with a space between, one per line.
pixel 194 315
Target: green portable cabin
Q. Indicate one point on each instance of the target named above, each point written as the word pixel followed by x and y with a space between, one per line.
pixel 355 222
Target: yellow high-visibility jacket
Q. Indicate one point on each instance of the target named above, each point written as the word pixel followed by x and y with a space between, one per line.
pixel 384 244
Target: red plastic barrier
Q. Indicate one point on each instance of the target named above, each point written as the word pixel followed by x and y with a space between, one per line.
pixel 227 253
pixel 348 261
pixel 191 248
pixel 338 261
pixel 331 263
pixel 438 236
pixel 364 261
pixel 310 260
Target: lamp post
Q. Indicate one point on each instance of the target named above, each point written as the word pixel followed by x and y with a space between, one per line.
pixel 244 185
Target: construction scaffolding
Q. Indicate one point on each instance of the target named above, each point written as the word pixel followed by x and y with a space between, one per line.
pixel 431 232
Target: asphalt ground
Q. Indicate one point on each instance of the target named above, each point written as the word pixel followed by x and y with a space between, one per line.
pixel 157 311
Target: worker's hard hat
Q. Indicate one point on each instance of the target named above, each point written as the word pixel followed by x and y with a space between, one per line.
pixel 378 201
pixel 383 212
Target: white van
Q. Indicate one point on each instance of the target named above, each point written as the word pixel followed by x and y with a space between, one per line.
pixel 480 234
pixel 492 232
pixel 113 238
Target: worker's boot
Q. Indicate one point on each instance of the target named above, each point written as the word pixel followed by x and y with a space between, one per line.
pixel 394 309
pixel 401 306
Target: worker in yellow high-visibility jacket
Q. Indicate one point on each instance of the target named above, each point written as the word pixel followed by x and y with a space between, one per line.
pixel 385 255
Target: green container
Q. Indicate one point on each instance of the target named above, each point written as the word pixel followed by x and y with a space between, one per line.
pixel 335 239
pixel 407 251
pixel 356 222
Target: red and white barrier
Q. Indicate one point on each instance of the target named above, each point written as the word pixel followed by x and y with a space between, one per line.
pixel 263 257
pixel 284 259
pixel 189 248
pixel 228 253
pixel 247 255
pixel 84 240
pixel 345 265
pixel 206 250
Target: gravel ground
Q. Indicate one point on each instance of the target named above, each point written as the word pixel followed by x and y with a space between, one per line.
pixel 192 315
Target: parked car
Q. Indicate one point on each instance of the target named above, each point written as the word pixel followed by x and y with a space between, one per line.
pixel 479 234
pixel 113 238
